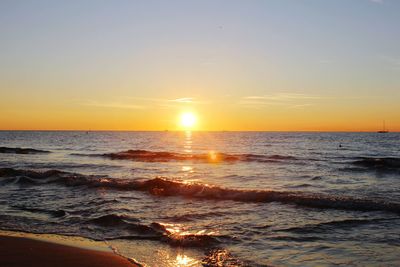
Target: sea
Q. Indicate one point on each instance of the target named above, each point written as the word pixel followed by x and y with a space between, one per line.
pixel 210 198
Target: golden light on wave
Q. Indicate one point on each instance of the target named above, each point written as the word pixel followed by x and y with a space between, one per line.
pixel 183 260
pixel 187 169
pixel 213 156
pixel 188 120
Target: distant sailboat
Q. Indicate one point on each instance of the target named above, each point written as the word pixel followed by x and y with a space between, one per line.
pixel 384 130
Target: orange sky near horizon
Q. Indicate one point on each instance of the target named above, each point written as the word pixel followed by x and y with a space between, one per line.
pixel 211 116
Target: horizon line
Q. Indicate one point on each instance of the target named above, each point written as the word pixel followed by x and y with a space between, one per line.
pixel 105 130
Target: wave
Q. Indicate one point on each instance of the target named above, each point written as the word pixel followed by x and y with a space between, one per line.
pixel 300 185
pixel 30 176
pixel 299 239
pixel 163 187
pixel 316 178
pixel 54 213
pixel 111 220
pixel 18 150
pixel 388 163
pixel 212 157
pixel 67 165
pixel 326 226
pixel 116 226
pixel 155 231
pixel 188 217
pixel 222 257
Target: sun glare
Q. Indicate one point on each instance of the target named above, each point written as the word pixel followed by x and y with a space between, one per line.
pixel 188 120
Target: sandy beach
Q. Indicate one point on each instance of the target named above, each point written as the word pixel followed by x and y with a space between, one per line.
pixel 21 251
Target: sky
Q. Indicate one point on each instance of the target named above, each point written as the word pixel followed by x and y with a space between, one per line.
pixel 271 65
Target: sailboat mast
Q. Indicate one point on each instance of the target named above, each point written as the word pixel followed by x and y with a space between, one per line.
pixel 384 128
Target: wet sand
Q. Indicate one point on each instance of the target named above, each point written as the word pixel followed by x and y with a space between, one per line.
pixel 21 252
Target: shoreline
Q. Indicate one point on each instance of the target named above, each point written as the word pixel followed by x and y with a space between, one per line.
pixel 42 250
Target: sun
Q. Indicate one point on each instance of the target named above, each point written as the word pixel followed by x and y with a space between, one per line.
pixel 188 120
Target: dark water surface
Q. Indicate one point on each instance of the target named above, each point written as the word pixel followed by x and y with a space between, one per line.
pixel 210 198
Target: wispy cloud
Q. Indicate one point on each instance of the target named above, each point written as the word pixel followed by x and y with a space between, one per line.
pixel 254 97
pixel 169 103
pixel 377 1
pixel 301 105
pixel 112 105
pixel 175 102
pixel 289 100
pixel 183 100
pixel 283 97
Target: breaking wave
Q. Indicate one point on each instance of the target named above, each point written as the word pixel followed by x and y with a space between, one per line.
pixel 163 156
pixel 155 231
pixel 18 150
pixel 165 187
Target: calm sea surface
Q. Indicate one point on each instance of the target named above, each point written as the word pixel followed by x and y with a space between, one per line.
pixel 210 198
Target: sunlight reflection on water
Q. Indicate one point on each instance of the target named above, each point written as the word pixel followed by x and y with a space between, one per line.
pixel 183 260
pixel 264 233
pixel 188 142
pixel 163 255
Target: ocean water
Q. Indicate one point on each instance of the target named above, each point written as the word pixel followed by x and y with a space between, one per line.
pixel 210 198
